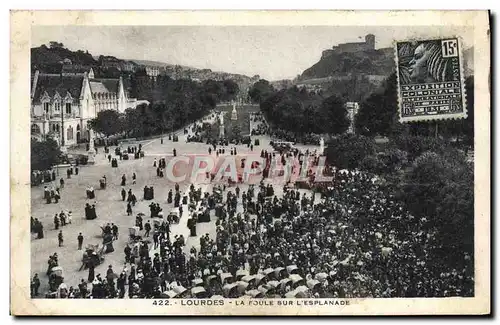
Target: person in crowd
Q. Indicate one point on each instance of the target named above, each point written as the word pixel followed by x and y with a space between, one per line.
pixel 56 222
pixel 129 208
pixel 35 285
pixel 60 238
pixel 114 228
pixel 147 229
pixel 80 241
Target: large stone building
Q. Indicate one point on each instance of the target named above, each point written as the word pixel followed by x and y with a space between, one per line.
pixel 62 104
pixel 367 45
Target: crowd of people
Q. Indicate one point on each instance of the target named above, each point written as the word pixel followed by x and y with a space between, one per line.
pixel 350 238
pixel 308 138
pixel 356 241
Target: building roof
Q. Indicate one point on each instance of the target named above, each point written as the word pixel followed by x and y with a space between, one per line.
pixel 75 68
pixel 104 85
pixel 60 84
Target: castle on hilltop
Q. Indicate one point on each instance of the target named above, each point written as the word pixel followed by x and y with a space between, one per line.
pixel 367 45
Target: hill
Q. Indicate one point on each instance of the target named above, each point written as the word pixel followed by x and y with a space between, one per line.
pixel 157 63
pixel 49 58
pixel 370 62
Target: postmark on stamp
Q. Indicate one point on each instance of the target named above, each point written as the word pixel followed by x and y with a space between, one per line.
pixel 430 80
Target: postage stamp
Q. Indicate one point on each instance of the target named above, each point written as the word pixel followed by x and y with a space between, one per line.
pixel 430 80
pixel 249 163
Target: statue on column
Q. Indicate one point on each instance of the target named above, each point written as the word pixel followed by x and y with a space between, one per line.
pixel 321 146
pixel 234 114
pixel 221 129
pixel 91 152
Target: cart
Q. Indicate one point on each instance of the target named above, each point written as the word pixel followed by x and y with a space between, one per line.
pixel 133 233
pixel 56 278
pixel 174 216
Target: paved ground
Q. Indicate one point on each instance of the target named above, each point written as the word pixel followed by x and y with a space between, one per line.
pixel 110 208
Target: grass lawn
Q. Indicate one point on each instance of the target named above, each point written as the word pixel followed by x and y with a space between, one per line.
pixel 243 121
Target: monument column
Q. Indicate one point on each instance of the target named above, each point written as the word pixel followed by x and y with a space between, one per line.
pixel 221 129
pixel 91 152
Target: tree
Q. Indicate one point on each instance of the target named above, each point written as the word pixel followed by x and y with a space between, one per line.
pixel 231 89
pixel 378 114
pixel 440 188
pixel 44 154
pixel 349 150
pixel 333 113
pixel 56 45
pixel 107 122
pixel 260 91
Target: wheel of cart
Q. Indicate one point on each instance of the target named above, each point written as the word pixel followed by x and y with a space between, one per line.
pixel 133 234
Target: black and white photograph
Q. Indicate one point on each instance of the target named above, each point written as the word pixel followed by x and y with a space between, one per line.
pixel 252 168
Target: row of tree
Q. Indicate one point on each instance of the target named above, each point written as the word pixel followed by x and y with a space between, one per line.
pixel 164 88
pixel 300 111
pixel 173 104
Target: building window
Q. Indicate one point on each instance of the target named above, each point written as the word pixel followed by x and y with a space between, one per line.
pixel 35 129
pixel 57 107
pixel 70 133
pixel 68 108
pixel 46 108
pixel 57 128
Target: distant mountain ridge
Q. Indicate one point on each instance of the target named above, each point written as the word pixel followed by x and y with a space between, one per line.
pixel 377 62
pixel 157 63
pixel 51 59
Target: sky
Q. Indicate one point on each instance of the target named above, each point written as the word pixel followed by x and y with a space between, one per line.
pixel 272 52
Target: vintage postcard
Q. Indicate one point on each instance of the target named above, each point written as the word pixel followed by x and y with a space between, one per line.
pixel 250 163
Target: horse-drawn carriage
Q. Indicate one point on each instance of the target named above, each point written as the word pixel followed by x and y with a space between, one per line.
pixel 56 278
pixel 133 234
pixel 93 255
pixel 174 216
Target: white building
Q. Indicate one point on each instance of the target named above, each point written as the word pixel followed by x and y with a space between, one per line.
pixel 63 104
pixel 153 71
